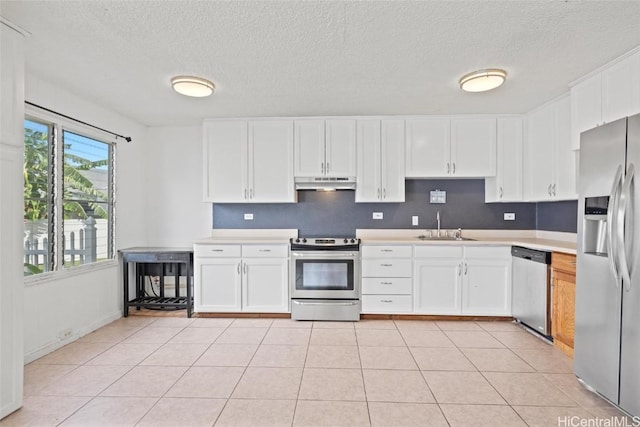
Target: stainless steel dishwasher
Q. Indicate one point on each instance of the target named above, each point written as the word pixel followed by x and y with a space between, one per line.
pixel 531 288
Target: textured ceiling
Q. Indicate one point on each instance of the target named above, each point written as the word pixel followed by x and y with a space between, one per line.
pixel 305 58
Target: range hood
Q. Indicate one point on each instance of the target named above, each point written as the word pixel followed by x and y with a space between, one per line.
pixel 326 183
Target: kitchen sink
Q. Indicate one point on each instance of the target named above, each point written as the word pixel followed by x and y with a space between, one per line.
pixel 443 238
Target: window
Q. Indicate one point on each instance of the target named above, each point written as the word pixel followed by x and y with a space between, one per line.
pixel 68 197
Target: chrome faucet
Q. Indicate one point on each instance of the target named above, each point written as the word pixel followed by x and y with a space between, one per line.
pixel 438 219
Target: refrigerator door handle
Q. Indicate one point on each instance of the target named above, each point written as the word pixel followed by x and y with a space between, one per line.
pixel 611 241
pixel 625 195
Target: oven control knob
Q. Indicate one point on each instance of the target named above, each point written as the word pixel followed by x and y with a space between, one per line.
pixel 304 240
pixel 346 240
pixel 353 240
pixel 298 240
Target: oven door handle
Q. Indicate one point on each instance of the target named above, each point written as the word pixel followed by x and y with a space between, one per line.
pixel 325 255
pixel 346 303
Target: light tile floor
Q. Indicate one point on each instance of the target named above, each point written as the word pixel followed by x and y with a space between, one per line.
pixel 170 371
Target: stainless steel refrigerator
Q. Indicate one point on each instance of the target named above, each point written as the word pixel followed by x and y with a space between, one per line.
pixel 607 327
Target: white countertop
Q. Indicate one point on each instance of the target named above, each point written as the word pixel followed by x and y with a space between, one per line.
pixel 548 241
pixel 542 240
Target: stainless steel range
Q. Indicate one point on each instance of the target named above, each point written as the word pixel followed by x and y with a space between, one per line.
pixel 325 278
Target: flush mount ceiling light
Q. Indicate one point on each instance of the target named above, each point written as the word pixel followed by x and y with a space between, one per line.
pixel 482 80
pixel 192 86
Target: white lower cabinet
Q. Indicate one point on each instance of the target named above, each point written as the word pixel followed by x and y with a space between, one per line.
pixel 235 278
pixel 470 280
pixel 386 279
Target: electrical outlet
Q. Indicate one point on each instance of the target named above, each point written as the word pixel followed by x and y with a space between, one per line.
pixel 248 217
pixel 414 220
pixel 377 215
pixel 65 334
pixel 509 216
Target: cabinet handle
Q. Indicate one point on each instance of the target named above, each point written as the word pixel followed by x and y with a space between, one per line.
pixel 465 268
pixel 448 168
pixel 386 283
pixel 245 268
pixel 453 167
pixel 554 189
pixel 251 193
pixel 386 300
pixel 459 269
pixel 384 193
pixel 378 193
pixel 386 265
pixel 238 268
pixel 386 250
pixel 245 194
pixel 549 189
pixel 572 263
pixel 264 250
pixel 217 250
pixel 328 167
pixel 501 192
pixel 322 167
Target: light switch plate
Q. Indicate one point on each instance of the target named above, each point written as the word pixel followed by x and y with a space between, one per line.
pixel 414 220
pixel 377 215
pixel 248 217
pixel 509 216
pixel 438 196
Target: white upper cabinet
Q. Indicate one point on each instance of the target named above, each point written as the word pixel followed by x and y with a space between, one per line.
pixel 248 161
pixel 473 147
pixel 606 96
pixel 380 154
pixel 325 148
pixel 427 147
pixel 506 186
pixel 458 147
pixel 549 162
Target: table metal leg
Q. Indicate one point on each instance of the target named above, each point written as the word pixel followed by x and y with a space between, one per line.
pixel 125 281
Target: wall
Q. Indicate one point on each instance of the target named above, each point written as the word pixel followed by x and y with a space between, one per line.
pixel 80 300
pixel 557 216
pixel 177 214
pixel 336 213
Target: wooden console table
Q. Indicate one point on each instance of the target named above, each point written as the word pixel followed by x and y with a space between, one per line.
pixel 145 258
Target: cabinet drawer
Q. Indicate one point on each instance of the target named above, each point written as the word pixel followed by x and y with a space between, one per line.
pixel 563 262
pixel 386 286
pixel 386 303
pixel 386 251
pixel 386 268
pixel 265 251
pixel 431 251
pixel 214 251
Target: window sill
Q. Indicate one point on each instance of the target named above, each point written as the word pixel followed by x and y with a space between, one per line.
pixel 51 276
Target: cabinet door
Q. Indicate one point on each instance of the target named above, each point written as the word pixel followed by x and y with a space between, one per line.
pixel 271 161
pixel 392 160
pixel 436 286
pixel 506 186
pixel 586 107
pixel 217 284
pixel 621 89
pixel 368 149
pixel 563 321
pixel 564 158
pixel 309 148
pixel 265 286
pixel 486 287
pixel 473 147
pixel 225 161
pixel 538 154
pixel 427 148
pixel 340 146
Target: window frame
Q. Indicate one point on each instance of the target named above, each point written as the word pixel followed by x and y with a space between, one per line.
pixel 57 126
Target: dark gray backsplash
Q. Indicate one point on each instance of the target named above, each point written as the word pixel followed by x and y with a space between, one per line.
pixel 557 216
pixel 337 214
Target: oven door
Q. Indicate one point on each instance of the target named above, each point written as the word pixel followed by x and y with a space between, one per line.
pixel 325 274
